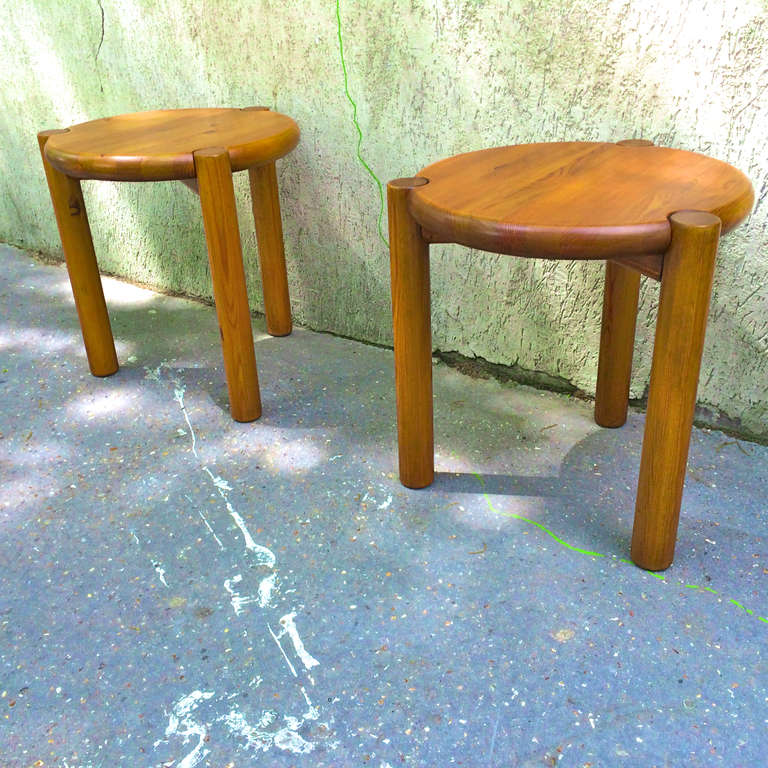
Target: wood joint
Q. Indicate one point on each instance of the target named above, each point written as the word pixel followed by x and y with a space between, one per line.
pixel 191 184
pixel 649 265
pixel 431 237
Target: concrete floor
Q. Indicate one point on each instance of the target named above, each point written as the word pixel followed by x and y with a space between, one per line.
pixel 177 589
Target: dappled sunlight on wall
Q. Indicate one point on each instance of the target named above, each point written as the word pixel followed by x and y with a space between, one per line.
pixel 47 72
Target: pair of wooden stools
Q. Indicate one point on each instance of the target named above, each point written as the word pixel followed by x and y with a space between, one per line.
pixel 642 209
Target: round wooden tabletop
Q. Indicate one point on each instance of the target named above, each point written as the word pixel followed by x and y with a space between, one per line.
pixel 583 200
pixel 159 145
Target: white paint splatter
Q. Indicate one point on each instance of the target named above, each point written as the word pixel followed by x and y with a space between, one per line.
pixel 312 713
pixel 264 556
pixel 158 566
pixel 178 396
pixel 221 484
pixel 276 638
pixel 153 373
pixel 266 733
pixel 181 724
pixel 208 526
pixel 160 572
pixel 238 601
pixel 288 739
pixel 265 590
pixel 289 628
pixel 258 737
pixel 190 702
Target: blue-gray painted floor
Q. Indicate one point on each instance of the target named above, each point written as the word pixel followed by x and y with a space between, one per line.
pixel 177 589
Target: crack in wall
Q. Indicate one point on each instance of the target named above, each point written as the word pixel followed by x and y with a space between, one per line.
pixel 101 40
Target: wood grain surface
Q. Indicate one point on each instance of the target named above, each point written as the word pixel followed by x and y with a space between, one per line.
pixel 84 277
pixel 222 235
pixel 686 285
pixel 617 343
pixel 574 200
pixel 159 145
pixel 265 203
pixel 409 263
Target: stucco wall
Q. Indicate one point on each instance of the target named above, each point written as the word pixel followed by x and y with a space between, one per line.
pixel 429 79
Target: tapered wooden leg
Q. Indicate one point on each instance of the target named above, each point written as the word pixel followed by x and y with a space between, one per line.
pixel 409 262
pixel 69 207
pixel 686 284
pixel 617 339
pixel 217 200
pixel 269 234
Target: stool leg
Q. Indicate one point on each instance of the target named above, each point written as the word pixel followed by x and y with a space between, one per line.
pixel 75 233
pixel 686 284
pixel 269 234
pixel 617 340
pixel 217 200
pixel 409 262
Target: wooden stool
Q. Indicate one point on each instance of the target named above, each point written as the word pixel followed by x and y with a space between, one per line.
pixel 202 148
pixel 641 208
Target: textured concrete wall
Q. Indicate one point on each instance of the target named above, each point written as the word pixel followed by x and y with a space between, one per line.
pixel 429 79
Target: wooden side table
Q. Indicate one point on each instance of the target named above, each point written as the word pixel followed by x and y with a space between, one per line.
pixel 203 148
pixel 642 209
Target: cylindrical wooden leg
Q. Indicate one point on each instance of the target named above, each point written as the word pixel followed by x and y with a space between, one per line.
pixel 617 339
pixel 217 200
pixel 69 207
pixel 269 234
pixel 686 284
pixel 409 262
